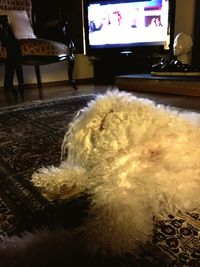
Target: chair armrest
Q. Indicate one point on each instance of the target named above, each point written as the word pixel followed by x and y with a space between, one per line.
pixel 68 40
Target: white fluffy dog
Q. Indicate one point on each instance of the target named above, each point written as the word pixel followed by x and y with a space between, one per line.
pixel 137 160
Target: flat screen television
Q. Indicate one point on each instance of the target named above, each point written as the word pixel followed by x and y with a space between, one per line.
pixel 127 25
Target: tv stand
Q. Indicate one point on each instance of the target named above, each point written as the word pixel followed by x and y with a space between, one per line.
pixel 106 67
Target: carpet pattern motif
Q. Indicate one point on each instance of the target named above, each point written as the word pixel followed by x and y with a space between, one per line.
pixel 31 137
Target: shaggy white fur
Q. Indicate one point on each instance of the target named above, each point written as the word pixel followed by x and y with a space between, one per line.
pixel 136 159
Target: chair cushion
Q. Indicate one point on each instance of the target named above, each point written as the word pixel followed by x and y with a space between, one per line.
pixel 42 47
pixel 19 23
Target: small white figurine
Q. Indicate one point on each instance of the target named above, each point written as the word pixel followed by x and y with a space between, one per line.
pixel 182 47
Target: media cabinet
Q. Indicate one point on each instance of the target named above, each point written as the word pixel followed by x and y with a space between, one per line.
pixel 166 84
pixel 107 67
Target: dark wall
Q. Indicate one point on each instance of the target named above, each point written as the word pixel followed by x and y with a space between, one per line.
pixel 196 37
pixel 47 13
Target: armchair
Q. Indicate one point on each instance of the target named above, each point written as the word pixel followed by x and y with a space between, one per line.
pixel 20 46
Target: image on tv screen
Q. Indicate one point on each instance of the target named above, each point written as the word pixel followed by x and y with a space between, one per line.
pixel 124 23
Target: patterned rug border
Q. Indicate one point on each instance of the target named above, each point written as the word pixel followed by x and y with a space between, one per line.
pixel 41 103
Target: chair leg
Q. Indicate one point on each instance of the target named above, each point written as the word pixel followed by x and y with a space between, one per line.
pixel 8 79
pixel 39 81
pixel 38 76
pixel 70 71
pixel 20 78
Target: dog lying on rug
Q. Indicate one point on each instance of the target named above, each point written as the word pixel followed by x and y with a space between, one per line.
pixel 136 160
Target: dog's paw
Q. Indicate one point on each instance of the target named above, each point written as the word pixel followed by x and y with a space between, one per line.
pixel 59 182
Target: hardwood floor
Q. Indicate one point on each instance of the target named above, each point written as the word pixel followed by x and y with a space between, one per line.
pixel 51 92
pixel 62 90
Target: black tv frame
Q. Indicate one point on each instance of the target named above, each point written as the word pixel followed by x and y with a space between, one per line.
pixel 127 50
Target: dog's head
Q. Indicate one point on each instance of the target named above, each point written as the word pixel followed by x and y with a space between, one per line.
pixel 106 126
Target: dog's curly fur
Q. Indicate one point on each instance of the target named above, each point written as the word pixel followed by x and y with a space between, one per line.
pixel 136 159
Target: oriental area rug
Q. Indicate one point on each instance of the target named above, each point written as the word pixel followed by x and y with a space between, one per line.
pixel 30 137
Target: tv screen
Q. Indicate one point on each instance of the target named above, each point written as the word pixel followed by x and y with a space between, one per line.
pixel 122 25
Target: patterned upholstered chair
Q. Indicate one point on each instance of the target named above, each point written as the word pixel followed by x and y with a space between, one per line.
pixel 20 46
